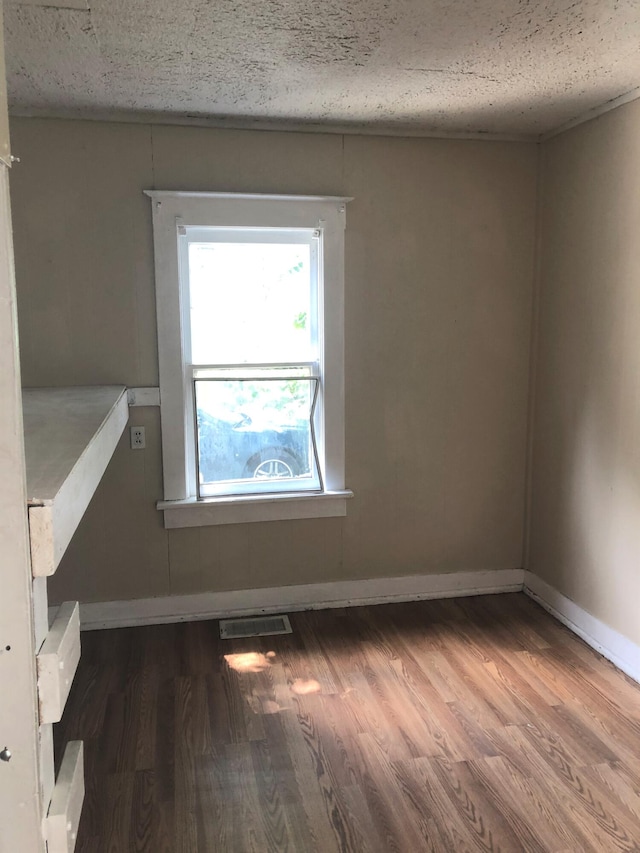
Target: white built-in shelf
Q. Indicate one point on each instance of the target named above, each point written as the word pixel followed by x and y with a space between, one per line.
pixel 63 817
pixel 70 436
pixel 57 661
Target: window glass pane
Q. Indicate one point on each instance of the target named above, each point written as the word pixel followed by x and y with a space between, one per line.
pixel 250 302
pixel 255 433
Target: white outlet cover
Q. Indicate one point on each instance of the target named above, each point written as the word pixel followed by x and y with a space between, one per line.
pixel 138 440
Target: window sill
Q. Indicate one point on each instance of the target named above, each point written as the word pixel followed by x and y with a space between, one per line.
pixel 245 508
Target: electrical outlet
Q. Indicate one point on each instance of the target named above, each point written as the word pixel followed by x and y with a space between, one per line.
pixel 137 438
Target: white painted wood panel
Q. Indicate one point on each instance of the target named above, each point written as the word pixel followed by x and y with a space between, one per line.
pixel 20 805
pixel 70 436
pixel 47 766
pixel 5 145
pixel 66 804
pixel 57 662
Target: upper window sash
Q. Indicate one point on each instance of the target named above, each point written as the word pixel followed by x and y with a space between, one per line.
pixel 311 237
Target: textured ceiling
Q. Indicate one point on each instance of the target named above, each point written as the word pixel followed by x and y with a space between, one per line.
pixel 454 66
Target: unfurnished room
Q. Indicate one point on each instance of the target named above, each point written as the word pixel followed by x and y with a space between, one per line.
pixel 320 426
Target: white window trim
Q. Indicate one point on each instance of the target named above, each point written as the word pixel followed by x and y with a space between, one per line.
pixel 172 209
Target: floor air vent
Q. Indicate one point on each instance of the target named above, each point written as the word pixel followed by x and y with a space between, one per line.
pixel 257 626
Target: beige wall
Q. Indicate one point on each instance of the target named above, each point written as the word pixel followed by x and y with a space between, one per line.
pixel 585 521
pixel 438 308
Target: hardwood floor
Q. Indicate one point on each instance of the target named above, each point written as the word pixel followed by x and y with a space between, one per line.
pixel 476 724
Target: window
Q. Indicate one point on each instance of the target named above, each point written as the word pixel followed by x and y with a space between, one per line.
pixel 251 357
pixel 250 305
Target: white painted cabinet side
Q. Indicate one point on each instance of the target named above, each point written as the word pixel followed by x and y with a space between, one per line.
pixel 20 806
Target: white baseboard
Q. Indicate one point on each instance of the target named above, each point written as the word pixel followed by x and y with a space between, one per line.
pixel 614 646
pixel 317 596
pixel 617 648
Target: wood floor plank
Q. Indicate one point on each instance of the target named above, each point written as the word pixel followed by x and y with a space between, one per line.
pixel 358 807
pixel 337 732
pixel 450 726
pixel 507 706
pixel 450 738
pixel 456 687
pixel 430 797
pixel 346 835
pixel 317 788
pixel 145 747
pixel 316 663
pixel 529 797
pixel 400 712
pixel 616 782
pixel 599 815
pixel 587 690
pixel 530 690
pixel 149 829
pixel 216 802
pixel 478 736
pixel 532 668
pixel 378 781
pixel 495 825
pixel 363 709
pixel 240 688
pixel 185 835
pixel 117 794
